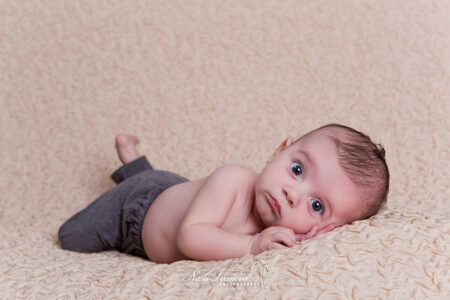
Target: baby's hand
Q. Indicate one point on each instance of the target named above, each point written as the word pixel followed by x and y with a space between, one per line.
pixel 274 237
pixel 277 237
pixel 313 232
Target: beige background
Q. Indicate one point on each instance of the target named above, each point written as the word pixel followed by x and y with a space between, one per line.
pixel 207 83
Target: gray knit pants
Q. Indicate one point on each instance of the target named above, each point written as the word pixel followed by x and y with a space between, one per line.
pixel 114 220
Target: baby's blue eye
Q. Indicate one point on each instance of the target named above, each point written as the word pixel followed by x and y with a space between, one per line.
pixel 297 169
pixel 316 205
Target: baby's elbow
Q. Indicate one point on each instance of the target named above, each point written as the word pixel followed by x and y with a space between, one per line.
pixel 183 242
pixel 189 244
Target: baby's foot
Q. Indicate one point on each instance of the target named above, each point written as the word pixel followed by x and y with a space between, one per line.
pixel 126 147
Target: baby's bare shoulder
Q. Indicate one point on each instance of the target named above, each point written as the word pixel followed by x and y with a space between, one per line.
pixel 228 181
pixel 236 173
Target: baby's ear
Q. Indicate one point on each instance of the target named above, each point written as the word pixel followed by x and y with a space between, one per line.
pixel 286 143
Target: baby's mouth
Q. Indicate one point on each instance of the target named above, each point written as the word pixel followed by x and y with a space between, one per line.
pixel 275 204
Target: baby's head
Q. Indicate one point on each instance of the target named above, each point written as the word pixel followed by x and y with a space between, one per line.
pixel 331 175
pixel 363 162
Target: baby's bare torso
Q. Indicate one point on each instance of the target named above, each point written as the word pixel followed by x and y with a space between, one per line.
pixel 165 215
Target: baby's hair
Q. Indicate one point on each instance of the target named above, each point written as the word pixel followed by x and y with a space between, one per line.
pixel 365 164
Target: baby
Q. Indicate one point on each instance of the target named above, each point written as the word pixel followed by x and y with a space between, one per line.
pixel 329 177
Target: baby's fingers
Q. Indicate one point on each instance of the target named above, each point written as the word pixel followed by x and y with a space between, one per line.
pixel 326 229
pixel 274 245
pixel 313 232
pixel 308 235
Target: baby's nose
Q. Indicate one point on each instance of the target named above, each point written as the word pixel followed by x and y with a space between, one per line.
pixel 292 195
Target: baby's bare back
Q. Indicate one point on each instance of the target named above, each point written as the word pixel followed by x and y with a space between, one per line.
pixel 164 218
pixel 165 215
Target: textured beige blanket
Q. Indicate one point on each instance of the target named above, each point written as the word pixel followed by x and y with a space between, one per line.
pixel 207 83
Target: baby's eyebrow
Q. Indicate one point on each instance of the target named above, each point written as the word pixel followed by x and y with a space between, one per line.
pixel 310 160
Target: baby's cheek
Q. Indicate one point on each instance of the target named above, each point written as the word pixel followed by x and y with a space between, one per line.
pixel 298 224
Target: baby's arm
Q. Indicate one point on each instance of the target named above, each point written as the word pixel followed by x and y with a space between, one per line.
pixel 200 235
